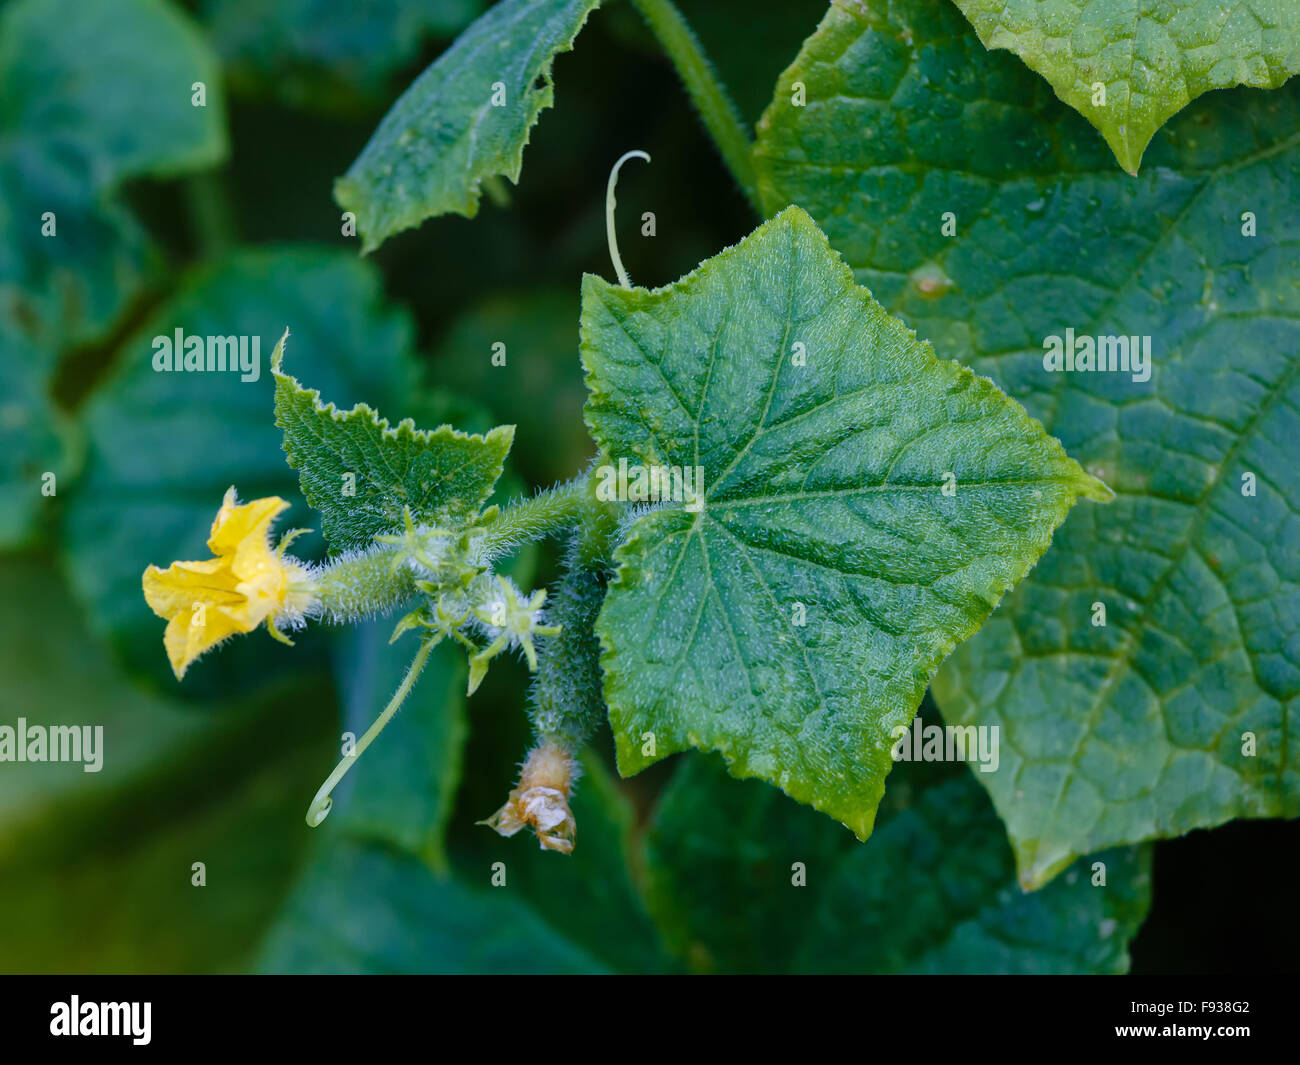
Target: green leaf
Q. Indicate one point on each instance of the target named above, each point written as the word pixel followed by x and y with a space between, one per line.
pixel 171 787
pixel 1133 730
pixel 797 617
pixel 933 890
pixel 362 474
pixel 164 446
pixel 89 96
pixel 403 794
pixel 323 55
pixel 68 287
pixel 444 136
pixel 365 909
pixel 1127 67
pixel 111 80
pixel 36 439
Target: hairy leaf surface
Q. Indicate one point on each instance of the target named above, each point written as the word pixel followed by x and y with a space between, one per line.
pixel 796 617
pixel 361 473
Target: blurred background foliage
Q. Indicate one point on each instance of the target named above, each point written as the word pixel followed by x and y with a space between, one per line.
pixel 220 220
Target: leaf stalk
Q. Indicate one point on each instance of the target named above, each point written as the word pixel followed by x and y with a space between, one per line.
pixel 718 111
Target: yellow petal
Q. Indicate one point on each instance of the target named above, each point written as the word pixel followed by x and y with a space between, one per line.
pixel 174 590
pixel 186 639
pixel 254 559
pixel 207 601
pixel 236 525
pixel 228 503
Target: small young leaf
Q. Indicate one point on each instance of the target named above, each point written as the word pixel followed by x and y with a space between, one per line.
pixel 1127 67
pixel 362 475
pixel 465 119
pixel 866 505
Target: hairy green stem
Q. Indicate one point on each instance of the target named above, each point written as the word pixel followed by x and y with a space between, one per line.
pixel 377 580
pixel 537 516
pixel 720 115
pixel 567 699
pixel 358 587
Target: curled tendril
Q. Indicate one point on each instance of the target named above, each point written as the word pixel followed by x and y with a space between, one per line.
pixel 623 279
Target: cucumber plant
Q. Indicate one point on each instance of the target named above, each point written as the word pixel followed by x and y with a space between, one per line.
pixel 984 417
pixel 854 506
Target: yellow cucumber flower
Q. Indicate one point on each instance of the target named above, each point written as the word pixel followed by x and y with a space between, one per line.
pixel 247 583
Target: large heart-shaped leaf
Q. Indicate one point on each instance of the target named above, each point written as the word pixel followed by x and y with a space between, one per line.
pixel 986 213
pixel 864 507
